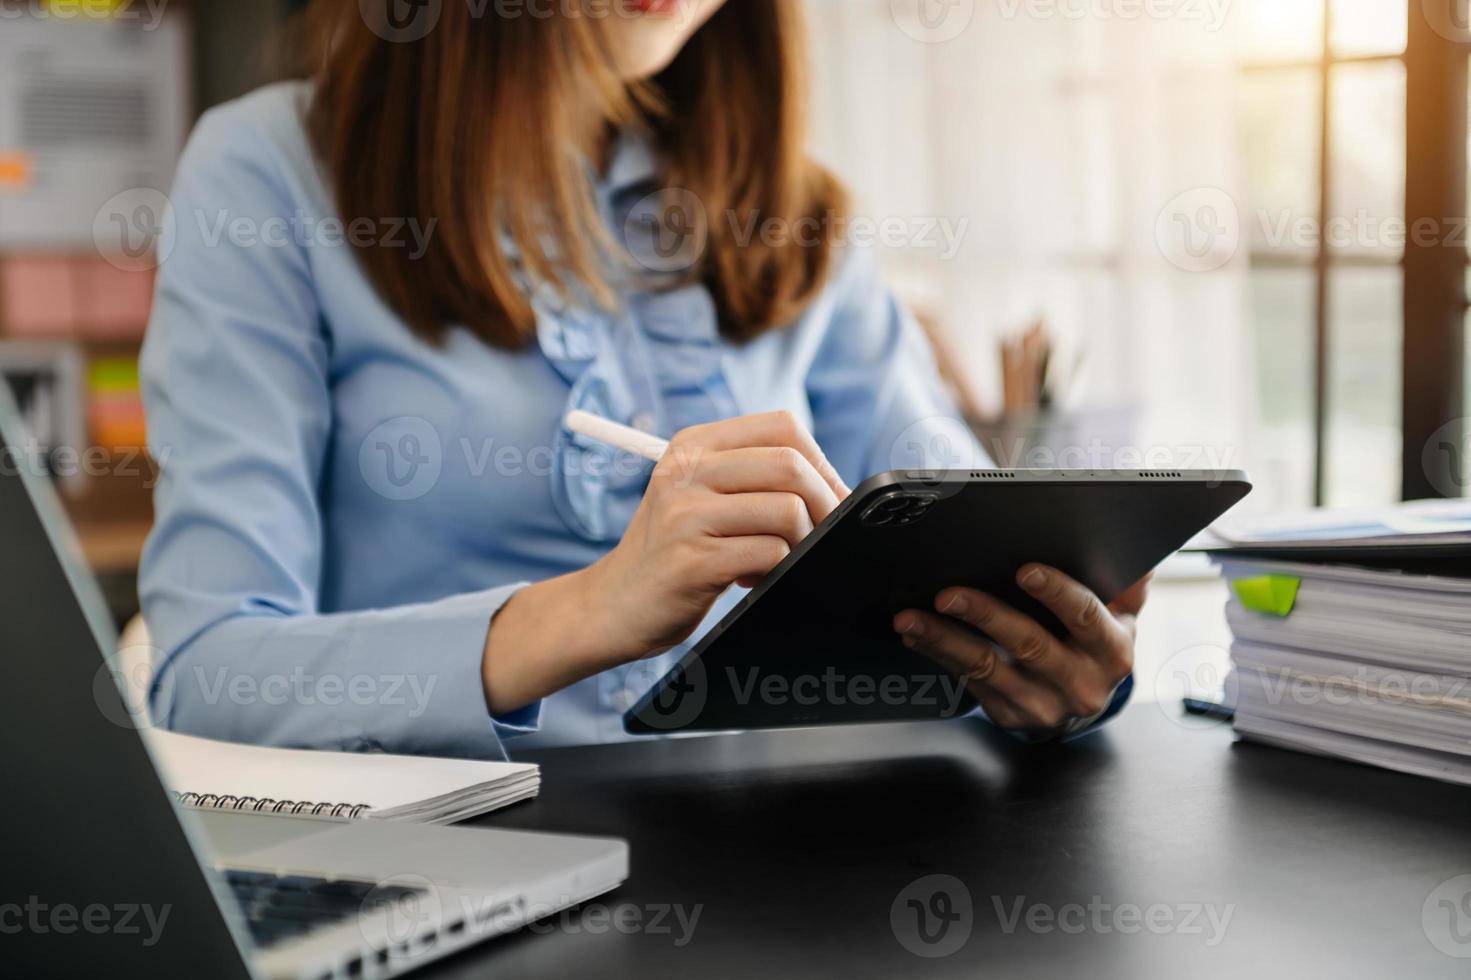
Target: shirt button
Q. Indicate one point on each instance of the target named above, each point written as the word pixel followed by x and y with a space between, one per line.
pixel 623 699
pixel 644 422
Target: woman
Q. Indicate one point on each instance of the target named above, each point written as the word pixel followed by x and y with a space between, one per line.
pixel 387 286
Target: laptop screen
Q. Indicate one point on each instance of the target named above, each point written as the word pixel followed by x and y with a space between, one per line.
pixel 98 868
pixel 23 461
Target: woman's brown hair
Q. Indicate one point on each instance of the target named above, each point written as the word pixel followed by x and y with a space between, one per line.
pixel 483 125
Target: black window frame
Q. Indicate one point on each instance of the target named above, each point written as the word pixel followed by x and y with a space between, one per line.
pixel 1435 305
pixel 1434 271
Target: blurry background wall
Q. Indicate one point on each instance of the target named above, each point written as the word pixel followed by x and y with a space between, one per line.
pixel 1150 179
pixel 1203 202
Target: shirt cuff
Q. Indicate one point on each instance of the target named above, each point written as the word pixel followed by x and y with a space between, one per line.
pixel 1085 726
pixel 522 721
pixel 1078 727
pixel 463 719
pixel 444 640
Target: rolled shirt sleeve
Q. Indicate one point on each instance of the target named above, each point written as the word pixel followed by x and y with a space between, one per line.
pixel 236 385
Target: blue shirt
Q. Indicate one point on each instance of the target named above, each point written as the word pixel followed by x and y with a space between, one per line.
pixel 344 507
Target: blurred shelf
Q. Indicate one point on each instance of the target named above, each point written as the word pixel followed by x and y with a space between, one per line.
pixel 113 546
pixel 112 549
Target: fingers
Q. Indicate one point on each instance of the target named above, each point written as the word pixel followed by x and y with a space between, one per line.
pixel 1093 627
pixel 1002 712
pixel 986 673
pixel 1084 682
pixel 699 493
pixel 747 560
pixel 1028 644
pixel 771 468
pixel 772 429
pixel 781 515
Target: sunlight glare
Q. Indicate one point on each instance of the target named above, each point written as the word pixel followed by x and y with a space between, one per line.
pixel 1281 30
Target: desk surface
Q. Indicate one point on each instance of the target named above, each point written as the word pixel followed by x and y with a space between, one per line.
pixel 1152 849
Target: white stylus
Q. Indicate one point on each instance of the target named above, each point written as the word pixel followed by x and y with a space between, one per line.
pixel 617 436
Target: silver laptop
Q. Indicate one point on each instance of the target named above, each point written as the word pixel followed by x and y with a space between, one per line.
pixel 102 873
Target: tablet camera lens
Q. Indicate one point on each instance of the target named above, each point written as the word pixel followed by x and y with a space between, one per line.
pixel 898 509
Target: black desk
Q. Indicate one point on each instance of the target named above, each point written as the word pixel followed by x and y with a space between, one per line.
pixel 796 846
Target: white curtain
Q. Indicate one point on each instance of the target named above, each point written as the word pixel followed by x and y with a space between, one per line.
pixel 1078 147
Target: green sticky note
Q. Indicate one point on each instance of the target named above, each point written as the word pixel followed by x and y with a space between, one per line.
pixel 113 374
pixel 1274 595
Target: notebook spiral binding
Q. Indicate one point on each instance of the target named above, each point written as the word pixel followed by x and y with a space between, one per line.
pixel 209 801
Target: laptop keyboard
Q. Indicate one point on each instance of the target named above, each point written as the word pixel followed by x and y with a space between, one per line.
pixel 280 907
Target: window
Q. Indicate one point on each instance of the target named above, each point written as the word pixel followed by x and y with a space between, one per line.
pixel 1338 279
pixel 1092 156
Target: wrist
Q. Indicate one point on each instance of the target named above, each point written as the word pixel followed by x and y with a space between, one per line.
pixel 602 628
pixel 551 635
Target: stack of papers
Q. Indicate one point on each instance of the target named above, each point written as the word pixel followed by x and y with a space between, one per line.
pixel 1422 530
pixel 1365 658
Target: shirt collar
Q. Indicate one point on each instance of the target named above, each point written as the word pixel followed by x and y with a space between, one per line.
pixel 633 163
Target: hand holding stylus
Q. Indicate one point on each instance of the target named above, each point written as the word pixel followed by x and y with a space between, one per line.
pixel 725 505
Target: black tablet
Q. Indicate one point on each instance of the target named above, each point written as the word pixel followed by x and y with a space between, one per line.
pixel 814 643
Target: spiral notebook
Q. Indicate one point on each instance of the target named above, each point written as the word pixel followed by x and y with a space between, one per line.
pixel 207 774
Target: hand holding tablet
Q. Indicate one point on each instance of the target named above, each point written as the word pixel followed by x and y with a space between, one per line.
pixel 1023 676
pixel 1042 655
pixel 1021 588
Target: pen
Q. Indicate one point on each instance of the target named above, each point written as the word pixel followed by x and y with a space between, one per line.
pixel 1209 709
pixel 617 436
